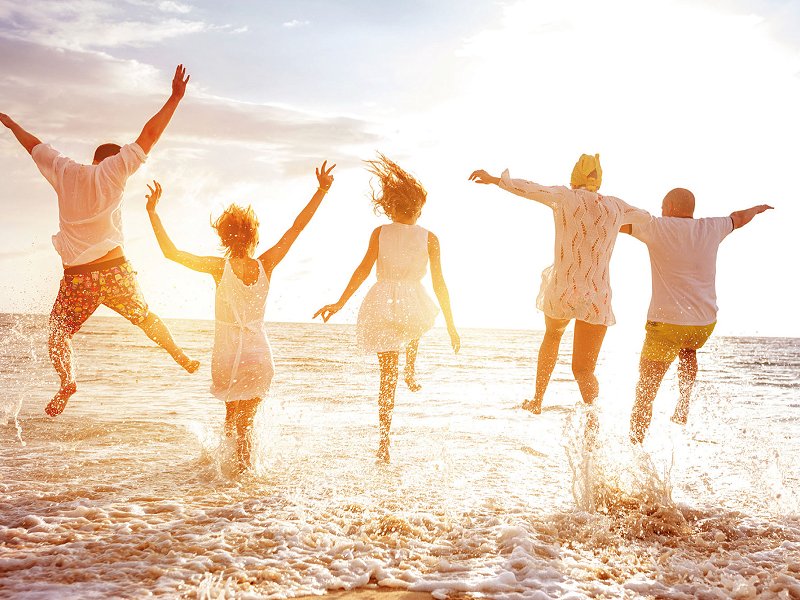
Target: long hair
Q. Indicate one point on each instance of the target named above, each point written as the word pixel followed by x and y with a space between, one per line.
pixel 237 228
pixel 399 194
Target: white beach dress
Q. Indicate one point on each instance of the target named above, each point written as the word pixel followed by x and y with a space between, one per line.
pixel 241 364
pixel 397 309
pixel 577 285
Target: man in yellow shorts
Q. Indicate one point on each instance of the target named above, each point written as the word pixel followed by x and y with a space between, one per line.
pixel 683 306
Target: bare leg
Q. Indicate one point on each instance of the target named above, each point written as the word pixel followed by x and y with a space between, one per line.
pixel 409 373
pixel 651 373
pixel 546 362
pixel 245 414
pixel 59 346
pixel 230 419
pixel 687 373
pixel 157 331
pixel 388 364
pixel 586 346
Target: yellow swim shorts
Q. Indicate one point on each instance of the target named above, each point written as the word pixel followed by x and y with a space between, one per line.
pixel 664 340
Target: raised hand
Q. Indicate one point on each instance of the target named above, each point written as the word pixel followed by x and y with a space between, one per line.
pixel 154 196
pixel 6 120
pixel 327 311
pixel 179 83
pixel 324 176
pixel 481 176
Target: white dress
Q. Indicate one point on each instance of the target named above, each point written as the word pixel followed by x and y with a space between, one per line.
pixel 397 309
pixel 241 364
pixel 577 285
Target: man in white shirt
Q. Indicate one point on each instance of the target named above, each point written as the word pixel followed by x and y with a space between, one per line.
pixel 90 240
pixel 683 306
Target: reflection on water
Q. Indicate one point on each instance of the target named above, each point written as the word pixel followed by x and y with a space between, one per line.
pixel 128 492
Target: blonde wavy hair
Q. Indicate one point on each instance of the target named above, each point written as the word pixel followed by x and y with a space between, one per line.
pixel 399 194
pixel 237 228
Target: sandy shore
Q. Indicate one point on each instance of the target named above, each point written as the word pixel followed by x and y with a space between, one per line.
pixel 375 593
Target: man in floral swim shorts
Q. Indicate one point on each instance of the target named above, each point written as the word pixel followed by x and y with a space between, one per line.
pixel 683 307
pixel 90 240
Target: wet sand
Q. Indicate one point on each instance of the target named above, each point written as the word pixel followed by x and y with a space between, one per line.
pixel 375 593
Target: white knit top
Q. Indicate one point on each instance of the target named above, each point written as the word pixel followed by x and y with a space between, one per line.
pixel 577 285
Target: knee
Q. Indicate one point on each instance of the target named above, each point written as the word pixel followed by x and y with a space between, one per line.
pixel 582 372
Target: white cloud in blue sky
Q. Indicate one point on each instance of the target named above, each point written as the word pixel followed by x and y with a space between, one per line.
pixel 691 93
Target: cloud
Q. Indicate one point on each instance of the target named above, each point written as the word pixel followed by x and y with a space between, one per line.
pixel 295 23
pixel 174 7
pixel 94 24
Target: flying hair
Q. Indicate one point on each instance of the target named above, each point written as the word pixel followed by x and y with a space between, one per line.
pixel 399 193
pixel 237 228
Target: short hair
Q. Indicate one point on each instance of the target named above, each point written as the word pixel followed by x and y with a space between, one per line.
pixel 399 194
pixel 104 151
pixel 237 228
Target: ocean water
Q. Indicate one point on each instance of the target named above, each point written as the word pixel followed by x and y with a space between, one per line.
pixel 129 493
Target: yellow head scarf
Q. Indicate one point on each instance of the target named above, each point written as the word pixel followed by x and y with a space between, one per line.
pixel 580 174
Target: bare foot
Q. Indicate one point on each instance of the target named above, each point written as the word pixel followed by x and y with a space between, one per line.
pixel 59 401
pixel 187 363
pixel 383 453
pixel 679 419
pixel 411 381
pixel 534 406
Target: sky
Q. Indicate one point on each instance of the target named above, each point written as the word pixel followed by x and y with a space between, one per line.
pixel 698 94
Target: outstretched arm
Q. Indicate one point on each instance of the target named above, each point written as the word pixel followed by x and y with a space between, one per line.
pixel 440 288
pixel 28 140
pixel 158 123
pixel 549 196
pixel 205 264
pixel 276 254
pixel 741 218
pixel 359 276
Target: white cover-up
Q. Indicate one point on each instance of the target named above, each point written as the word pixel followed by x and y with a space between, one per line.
pixel 241 364
pixel 577 285
pixel 397 309
pixel 683 265
pixel 89 200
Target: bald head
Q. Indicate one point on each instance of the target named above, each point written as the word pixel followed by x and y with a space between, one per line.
pixel 678 203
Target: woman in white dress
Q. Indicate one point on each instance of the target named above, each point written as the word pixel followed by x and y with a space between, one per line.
pixel 577 285
pixel 241 364
pixel 397 310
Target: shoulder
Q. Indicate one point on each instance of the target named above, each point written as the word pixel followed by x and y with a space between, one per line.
pixel 43 153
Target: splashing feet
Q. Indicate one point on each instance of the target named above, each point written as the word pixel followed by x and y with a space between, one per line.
pixel 59 401
pixel 534 406
pixel 382 454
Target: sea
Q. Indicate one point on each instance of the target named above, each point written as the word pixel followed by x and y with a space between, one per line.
pixel 132 492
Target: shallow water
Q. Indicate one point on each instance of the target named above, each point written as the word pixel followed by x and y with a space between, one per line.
pixel 129 492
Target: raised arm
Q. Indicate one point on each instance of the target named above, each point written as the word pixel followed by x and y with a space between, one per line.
pixel 741 218
pixel 440 289
pixel 359 276
pixel 158 123
pixel 28 140
pixel 272 257
pixel 549 196
pixel 212 265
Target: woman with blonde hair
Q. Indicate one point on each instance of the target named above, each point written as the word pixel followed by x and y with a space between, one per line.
pixel 241 365
pixel 396 311
pixel 577 285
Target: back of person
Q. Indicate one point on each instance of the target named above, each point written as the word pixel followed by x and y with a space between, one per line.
pixel 402 252
pixel 89 199
pixel 238 304
pixel 683 258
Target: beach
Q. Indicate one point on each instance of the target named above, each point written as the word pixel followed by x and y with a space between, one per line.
pixel 131 493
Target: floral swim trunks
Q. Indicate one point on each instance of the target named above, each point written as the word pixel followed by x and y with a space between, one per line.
pixel 112 283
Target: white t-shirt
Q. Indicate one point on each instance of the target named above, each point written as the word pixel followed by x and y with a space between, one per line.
pixel 89 200
pixel 683 264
